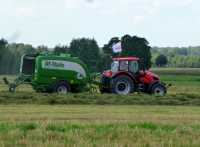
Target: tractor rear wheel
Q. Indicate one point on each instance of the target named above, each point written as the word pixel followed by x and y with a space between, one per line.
pixel 159 89
pixel 62 88
pixel 122 85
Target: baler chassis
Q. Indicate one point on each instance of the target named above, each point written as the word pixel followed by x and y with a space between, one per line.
pixel 21 79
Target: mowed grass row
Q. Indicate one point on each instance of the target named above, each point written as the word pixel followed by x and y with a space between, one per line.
pixel 42 125
pixel 185 90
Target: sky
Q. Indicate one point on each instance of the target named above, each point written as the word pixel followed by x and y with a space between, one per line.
pixel 51 22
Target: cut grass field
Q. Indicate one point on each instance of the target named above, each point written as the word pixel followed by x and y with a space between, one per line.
pixel 185 90
pixel 28 118
pixel 57 126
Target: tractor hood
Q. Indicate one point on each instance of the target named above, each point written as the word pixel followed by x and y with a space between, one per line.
pixel 150 73
pixel 108 73
pixel 148 77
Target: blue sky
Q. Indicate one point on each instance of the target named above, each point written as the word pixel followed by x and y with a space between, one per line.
pixel 52 22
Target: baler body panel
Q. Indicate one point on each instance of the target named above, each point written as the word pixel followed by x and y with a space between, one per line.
pixel 51 69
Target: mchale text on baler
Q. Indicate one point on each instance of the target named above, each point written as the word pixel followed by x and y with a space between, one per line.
pixel 126 77
pixel 63 73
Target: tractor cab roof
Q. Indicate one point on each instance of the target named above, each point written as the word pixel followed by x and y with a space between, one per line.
pixel 126 59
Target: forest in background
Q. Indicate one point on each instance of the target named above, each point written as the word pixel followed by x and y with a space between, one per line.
pixel 183 57
pixel 98 59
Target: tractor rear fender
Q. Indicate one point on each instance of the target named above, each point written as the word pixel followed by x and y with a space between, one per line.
pixel 124 74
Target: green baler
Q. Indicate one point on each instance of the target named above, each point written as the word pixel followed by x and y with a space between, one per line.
pixel 48 72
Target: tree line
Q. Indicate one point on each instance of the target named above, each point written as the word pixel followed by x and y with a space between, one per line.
pixel 176 57
pixel 97 59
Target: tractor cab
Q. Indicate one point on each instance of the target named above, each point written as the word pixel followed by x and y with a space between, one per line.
pixel 123 64
pixel 129 64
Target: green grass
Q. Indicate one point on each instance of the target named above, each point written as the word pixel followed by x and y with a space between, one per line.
pixel 185 90
pixel 42 125
pixel 28 118
pixel 177 71
pixel 98 99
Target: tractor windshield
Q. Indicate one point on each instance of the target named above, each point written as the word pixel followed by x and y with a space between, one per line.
pixel 131 66
pixel 123 66
pixel 115 66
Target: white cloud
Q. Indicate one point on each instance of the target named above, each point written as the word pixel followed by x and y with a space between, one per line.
pixel 14 36
pixel 134 10
pixel 138 20
pixel 25 12
pixel 177 3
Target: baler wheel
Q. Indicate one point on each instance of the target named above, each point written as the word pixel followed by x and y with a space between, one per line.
pixel 12 88
pixel 62 88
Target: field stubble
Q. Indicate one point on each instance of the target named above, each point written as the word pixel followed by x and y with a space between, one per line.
pixel 104 124
pixel 185 90
pixel 42 125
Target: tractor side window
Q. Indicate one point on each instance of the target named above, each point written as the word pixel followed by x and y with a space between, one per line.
pixel 124 65
pixel 133 67
pixel 115 66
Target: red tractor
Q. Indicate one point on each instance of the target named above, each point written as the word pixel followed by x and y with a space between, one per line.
pixel 126 77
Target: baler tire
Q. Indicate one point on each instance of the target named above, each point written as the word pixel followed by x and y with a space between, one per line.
pixel 159 89
pixel 62 88
pixel 122 85
pixel 104 90
pixel 12 88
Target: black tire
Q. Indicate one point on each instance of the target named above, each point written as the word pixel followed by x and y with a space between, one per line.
pixel 159 89
pixel 62 88
pixel 12 88
pixel 104 90
pixel 122 85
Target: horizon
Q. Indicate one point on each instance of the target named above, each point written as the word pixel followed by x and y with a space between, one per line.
pixel 51 47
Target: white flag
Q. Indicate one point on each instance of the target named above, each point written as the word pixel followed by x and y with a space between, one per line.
pixel 117 47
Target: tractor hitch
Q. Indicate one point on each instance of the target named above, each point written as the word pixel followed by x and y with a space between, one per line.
pixel 167 85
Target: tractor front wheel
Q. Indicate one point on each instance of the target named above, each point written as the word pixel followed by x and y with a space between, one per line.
pixel 159 89
pixel 122 85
